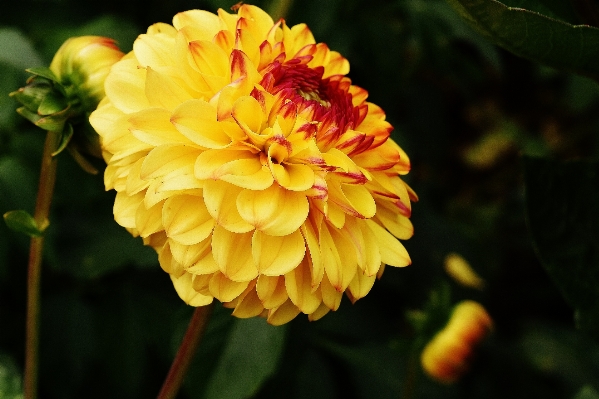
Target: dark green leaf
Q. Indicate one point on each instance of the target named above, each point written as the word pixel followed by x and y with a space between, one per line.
pixel 562 200
pixel 65 138
pixel 249 358
pixel 23 222
pixel 534 36
pixel 43 72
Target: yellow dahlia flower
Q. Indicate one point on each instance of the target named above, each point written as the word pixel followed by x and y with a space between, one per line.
pixel 245 157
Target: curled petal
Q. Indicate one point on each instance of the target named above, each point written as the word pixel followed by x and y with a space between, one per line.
pixel 277 255
pixel 233 254
pixel 186 219
pixel 219 198
pixel 299 288
pixel 282 314
pixel 271 290
pixel 275 211
pixel 224 289
pixel 184 287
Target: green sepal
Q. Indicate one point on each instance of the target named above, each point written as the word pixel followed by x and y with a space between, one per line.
pixel 22 222
pixel 54 122
pixel 65 139
pixel 32 117
pixel 32 95
pixel 52 104
pixel 43 72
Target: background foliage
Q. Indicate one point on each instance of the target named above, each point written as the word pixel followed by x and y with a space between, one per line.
pixel 466 112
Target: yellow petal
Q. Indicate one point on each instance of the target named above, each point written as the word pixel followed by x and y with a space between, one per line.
pixel 164 91
pixel 125 86
pixel 319 313
pixel 249 304
pixel 233 254
pixel 299 288
pixel 125 208
pixel 275 256
pixel 275 211
pixel 330 296
pixel 205 263
pixel 196 120
pixel 187 255
pixel 282 314
pixel 219 198
pixel 338 257
pixel 271 291
pixel 393 253
pixel 399 225
pixel 134 183
pixel 148 221
pixel 186 219
pixel 355 200
pixel 207 24
pixel 153 126
pixel 214 164
pixel 360 286
pixel 209 58
pixel 154 49
pixel 317 268
pixel 226 290
pixel 184 287
pixel 248 113
pixel 168 158
pixel 168 263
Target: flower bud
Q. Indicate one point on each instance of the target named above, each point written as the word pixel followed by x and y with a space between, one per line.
pixel 447 356
pixel 81 65
pixel 460 270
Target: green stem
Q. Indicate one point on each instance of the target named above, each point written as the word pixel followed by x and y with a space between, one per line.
pixel 42 209
pixel 179 367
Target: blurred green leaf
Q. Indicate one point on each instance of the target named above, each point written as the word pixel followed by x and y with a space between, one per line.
pixel 587 392
pixel 16 50
pixel 534 36
pixel 562 200
pixel 249 358
pixel 22 222
pixel 10 379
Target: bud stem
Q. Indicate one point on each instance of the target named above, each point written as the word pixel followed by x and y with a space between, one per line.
pixel 42 209
pixel 185 354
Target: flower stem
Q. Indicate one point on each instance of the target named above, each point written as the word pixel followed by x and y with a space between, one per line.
pixel 179 367
pixel 42 209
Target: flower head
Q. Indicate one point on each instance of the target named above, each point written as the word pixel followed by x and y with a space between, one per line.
pixel 447 356
pixel 246 158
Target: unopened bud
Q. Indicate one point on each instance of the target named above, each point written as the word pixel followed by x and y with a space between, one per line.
pixel 447 356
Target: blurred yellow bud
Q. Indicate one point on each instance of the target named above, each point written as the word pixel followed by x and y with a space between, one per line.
pixel 447 356
pixel 81 65
pixel 460 270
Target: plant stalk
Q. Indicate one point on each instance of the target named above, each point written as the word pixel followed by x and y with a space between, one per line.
pixel 42 210
pixel 185 354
